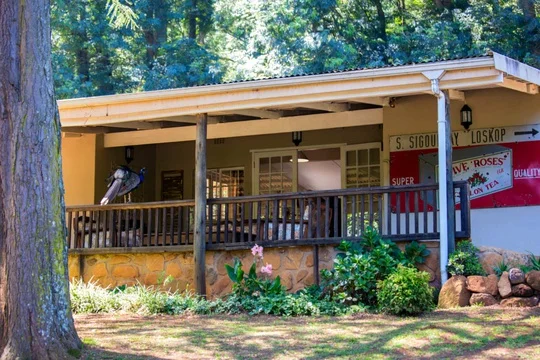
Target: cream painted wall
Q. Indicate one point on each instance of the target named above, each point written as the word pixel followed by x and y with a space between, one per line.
pixel 236 151
pixel 78 159
pixel 511 228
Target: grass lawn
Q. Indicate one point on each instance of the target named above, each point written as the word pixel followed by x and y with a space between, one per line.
pixel 469 333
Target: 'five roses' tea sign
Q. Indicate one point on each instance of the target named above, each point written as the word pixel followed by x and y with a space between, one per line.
pixel 486 174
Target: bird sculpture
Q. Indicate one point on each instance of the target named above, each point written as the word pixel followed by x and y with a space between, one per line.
pixel 122 183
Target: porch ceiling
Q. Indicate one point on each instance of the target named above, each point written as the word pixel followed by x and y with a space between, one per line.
pixel 342 99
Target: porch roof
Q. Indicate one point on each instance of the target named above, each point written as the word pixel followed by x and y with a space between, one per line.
pixel 266 106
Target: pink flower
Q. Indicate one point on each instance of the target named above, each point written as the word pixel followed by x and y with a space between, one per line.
pixel 257 251
pixel 267 269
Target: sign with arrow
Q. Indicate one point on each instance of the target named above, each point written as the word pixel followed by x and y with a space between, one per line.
pixel 533 132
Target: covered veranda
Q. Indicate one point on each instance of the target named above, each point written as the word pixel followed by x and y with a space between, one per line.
pixel 293 104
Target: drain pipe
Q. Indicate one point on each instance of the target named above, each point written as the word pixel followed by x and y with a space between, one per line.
pixel 446 187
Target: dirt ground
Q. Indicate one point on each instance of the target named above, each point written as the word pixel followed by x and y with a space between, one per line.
pixel 468 333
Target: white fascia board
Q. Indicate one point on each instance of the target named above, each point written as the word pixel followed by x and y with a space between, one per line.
pixel 517 69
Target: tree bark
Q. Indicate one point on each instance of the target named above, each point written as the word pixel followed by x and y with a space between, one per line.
pixel 35 315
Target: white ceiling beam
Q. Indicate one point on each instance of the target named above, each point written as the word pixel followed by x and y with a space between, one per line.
pixel 86 129
pixel 456 95
pixel 261 114
pixel 138 125
pixel 519 86
pixel 380 101
pixel 248 128
pixel 188 119
pixel 325 106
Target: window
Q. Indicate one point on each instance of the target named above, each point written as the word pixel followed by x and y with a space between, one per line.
pixel 227 182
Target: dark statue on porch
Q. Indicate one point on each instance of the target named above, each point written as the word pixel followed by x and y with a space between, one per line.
pixel 122 183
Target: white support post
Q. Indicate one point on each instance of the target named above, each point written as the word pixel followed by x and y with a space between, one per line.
pixel 199 241
pixel 446 185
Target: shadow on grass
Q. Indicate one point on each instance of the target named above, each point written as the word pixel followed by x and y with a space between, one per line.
pixel 442 334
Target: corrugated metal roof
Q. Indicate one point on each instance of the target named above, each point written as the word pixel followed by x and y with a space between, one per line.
pixel 346 70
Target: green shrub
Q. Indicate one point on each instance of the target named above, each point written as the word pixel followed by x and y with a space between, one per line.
pixel 464 261
pixel 353 280
pixel 405 292
pixel 534 261
pixel 416 253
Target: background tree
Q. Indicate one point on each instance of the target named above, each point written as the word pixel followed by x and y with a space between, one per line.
pixel 35 314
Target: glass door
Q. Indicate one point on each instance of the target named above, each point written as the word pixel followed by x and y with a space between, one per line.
pixel 361 167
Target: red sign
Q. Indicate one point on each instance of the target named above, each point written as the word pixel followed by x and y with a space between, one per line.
pixel 499 174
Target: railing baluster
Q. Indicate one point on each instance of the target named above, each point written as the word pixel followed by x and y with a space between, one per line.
pixel 141 226
pixel 327 217
pixel 407 213
pixel 398 213
pixel 283 218
pixel 171 225
pixel 149 227
pixel 226 223
pixel 389 214
pixel 250 223
pixel 126 228
pixel 318 218
pixel 335 216
pixel 112 227
pixel 210 223
pixel 301 210
pixel 275 215
pixel 259 210
pixel 69 220
pixel 235 216
pixel 425 209
pixel 267 221
pixel 164 226
pixel 119 229
pixel 380 201
pixel 353 209
pixel 180 225
pixel 416 195
pixel 156 227
pixel 293 219
pixel 242 220
pixel 371 209
pixel 218 225
pixel 435 211
pixel 97 216
pixel 344 230
pixel 310 219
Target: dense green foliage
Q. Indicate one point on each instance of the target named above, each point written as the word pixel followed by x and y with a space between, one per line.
pixel 405 292
pixel 359 267
pixel 464 260
pixel 178 43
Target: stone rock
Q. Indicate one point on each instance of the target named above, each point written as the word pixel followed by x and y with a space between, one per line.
pixel 520 302
pixel 173 269
pixel 309 260
pixel 211 276
pixel 432 261
pixel 273 257
pixel 301 275
pixel 482 299
pixel 476 284
pixel 119 259
pixel 100 270
pixel 154 262
pixel 454 293
pixel 432 276
pixel 293 260
pixel 489 260
pixel 151 279
pixel 533 279
pixel 222 286
pixel 287 280
pixel 509 257
pixel 125 271
pixel 505 288
pixel 516 276
pixel 221 261
pixel 491 285
pixel 91 261
pixel 522 290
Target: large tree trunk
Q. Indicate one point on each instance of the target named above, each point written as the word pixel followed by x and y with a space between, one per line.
pixel 35 316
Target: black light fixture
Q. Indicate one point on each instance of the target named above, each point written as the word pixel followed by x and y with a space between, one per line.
pixel 466 116
pixel 297 137
pixel 129 154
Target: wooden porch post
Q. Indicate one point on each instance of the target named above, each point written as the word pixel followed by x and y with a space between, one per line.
pixel 199 242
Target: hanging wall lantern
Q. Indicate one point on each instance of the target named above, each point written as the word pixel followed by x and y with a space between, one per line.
pixel 297 137
pixel 466 116
pixel 129 154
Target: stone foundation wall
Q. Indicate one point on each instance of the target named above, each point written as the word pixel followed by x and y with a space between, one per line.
pixel 295 266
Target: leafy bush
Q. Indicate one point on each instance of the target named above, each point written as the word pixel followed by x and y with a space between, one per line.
pixel 353 280
pixel 416 253
pixel 534 261
pixel 405 292
pixel 464 260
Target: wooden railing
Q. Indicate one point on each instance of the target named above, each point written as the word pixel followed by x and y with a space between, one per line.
pixel 307 218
